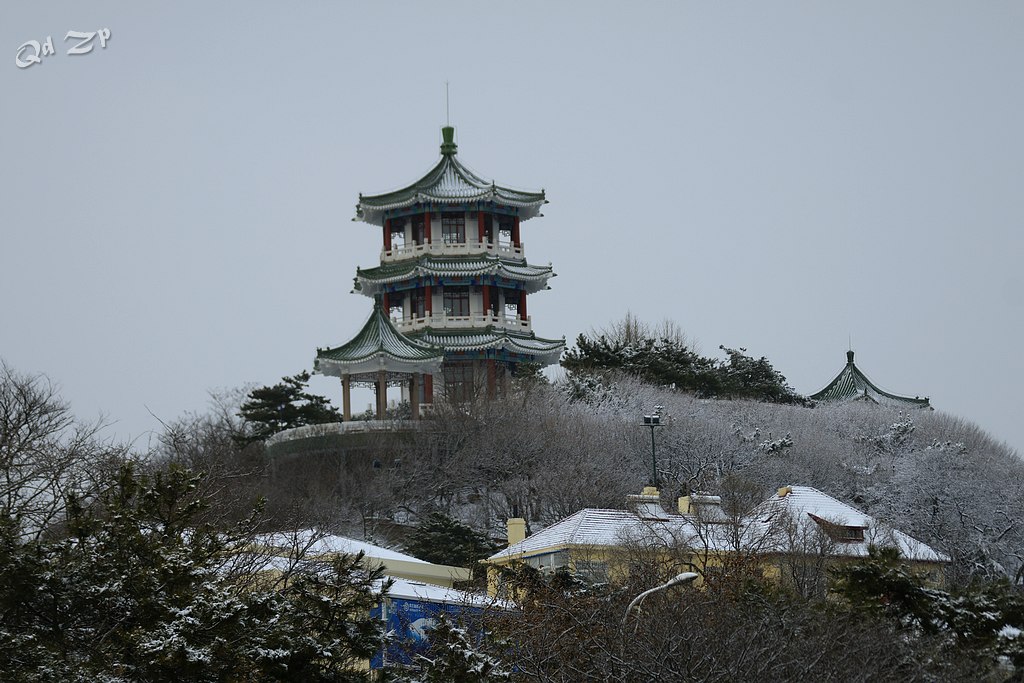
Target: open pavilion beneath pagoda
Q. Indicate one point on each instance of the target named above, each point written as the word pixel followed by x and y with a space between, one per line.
pixel 380 356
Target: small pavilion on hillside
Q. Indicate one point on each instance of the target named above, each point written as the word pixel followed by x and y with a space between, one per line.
pixel 379 356
pixel 853 385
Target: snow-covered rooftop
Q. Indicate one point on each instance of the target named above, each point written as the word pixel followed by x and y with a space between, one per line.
pixel 768 528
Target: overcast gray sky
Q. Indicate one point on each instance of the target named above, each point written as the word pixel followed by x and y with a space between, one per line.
pixel 175 207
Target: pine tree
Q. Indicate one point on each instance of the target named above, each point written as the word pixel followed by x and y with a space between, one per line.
pixel 285 405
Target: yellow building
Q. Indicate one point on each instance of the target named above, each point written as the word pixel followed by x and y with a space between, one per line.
pixel 792 537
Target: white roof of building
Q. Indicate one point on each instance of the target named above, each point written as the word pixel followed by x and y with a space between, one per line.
pixel 601 527
pixel 807 508
pixel 765 528
pixel 315 543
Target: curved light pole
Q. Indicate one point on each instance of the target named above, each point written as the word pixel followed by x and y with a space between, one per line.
pixel 678 579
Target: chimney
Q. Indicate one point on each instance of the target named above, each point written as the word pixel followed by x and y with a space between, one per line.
pixel 785 491
pixel 684 505
pixel 516 530
pixel 647 505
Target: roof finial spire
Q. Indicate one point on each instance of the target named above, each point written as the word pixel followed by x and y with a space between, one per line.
pixel 448 145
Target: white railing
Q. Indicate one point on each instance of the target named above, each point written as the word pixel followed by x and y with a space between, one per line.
pixel 445 322
pixel 451 249
pixel 336 428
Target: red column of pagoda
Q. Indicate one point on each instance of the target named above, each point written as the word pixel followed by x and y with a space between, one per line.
pixel 387 235
pixel 515 233
pixel 522 304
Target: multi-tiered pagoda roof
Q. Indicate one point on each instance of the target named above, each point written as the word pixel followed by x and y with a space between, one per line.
pixel 451 285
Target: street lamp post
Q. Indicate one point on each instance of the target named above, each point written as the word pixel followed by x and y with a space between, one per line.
pixel 677 580
pixel 653 421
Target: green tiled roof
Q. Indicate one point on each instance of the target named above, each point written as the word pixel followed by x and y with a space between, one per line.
pixel 543 351
pixel 448 182
pixel 852 385
pixel 371 281
pixel 379 346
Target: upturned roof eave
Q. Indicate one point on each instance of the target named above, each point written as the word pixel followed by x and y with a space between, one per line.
pixel 856 374
pixel 379 345
pixel 426 190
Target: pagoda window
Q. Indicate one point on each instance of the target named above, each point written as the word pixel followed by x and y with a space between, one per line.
pixel 453 228
pixel 396 307
pixel 511 297
pixel 505 229
pixel 397 233
pixel 418 304
pixel 458 381
pixel 419 230
pixel 456 301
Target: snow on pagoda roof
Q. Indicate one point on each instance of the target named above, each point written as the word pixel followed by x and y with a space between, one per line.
pixel 379 346
pixel 371 281
pixel 544 351
pixel 852 385
pixel 448 182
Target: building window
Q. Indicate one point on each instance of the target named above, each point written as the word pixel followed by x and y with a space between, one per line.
pixel 453 228
pixel 397 233
pixel 458 381
pixel 418 304
pixel 505 225
pixel 419 230
pixel 595 572
pixel 396 307
pixel 456 301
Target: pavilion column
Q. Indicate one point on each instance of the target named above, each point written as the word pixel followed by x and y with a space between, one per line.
pixel 428 300
pixel 522 305
pixel 414 395
pixel 346 397
pixel 426 227
pixel 387 235
pixel 382 393
pixel 428 388
pixel 515 233
pixel 480 226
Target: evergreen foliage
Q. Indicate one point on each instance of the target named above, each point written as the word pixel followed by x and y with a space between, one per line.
pixel 668 360
pixel 443 540
pixel 285 405
pixel 456 657
pixel 984 622
pixel 133 588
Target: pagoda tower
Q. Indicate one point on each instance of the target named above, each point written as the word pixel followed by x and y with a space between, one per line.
pixel 450 290
pixel 853 385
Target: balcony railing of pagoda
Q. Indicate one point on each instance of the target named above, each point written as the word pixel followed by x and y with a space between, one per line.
pixel 451 249
pixel 450 322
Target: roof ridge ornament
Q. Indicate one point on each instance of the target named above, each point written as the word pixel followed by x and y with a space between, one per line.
pixel 448 146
